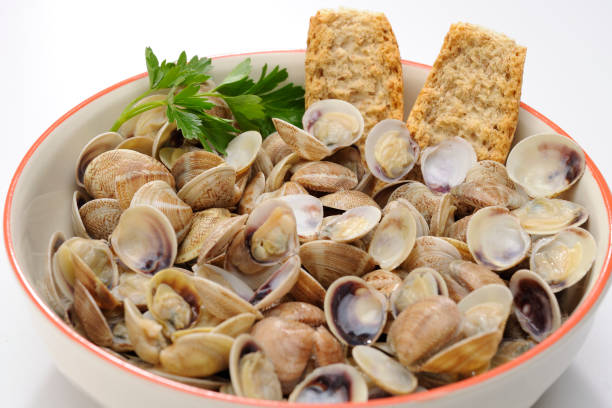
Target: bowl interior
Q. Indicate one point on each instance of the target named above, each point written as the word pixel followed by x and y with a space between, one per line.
pixel 41 199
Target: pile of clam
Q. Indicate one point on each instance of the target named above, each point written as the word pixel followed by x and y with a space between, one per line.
pixel 295 268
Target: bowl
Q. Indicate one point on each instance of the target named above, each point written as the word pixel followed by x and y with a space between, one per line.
pixel 37 205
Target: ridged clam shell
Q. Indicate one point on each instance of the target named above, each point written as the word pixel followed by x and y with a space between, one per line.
pixel 100 217
pixel 191 164
pixel 253 190
pixel 419 195
pixel 211 188
pixel 275 147
pixel 308 289
pixel 219 238
pixel 329 260
pixel 141 144
pixel 325 176
pixel 160 195
pixel 197 354
pixel 102 143
pixel 347 199
pixel 432 252
pixel 301 142
pixel 203 223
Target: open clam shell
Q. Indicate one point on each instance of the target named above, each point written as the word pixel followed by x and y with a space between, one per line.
pixel 331 384
pixel 486 309
pixel 144 240
pixel 242 151
pixel 446 164
pixel 78 227
pixel 384 371
pixel 564 258
pixel 226 279
pixel 393 238
pixel 102 143
pixel 255 188
pixel 308 212
pixel 278 284
pixel 333 122
pixel 535 305
pixel 197 354
pixel 496 238
pixel 422 227
pixel 390 152
pixel 222 301
pixel 251 372
pixel 146 335
pixel 56 290
pixel 277 176
pixel 330 260
pixel 355 312
pixel 353 224
pixel 546 164
pixel 544 216
pixel 421 283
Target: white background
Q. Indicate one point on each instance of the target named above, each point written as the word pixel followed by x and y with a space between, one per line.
pixel 55 54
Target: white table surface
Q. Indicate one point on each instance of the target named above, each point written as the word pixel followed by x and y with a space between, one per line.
pixel 55 54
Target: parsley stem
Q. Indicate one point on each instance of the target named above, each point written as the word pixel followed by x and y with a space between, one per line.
pixel 128 113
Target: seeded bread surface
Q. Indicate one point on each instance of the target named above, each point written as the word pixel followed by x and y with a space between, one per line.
pixel 472 91
pixel 353 55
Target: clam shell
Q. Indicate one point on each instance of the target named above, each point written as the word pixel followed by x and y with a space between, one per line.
pixel 331 384
pixel 308 289
pixel 132 286
pixel 301 142
pixel 393 238
pixel 347 199
pixel 141 144
pixel 236 325
pixel 57 294
pixel 545 164
pixel 145 334
pixel 263 163
pixel 277 176
pixel 197 354
pixel 219 238
pixel 211 188
pixel 326 350
pixel 421 283
pixel 101 143
pixel 446 164
pixel 489 171
pixel 474 195
pixel 278 284
pixel 144 240
pixel 308 212
pixel 255 187
pixel 202 225
pixel 221 301
pixel 324 119
pixel 469 276
pixel 299 311
pixel 327 261
pixel 383 281
pixel 325 176
pixel 225 279
pixel 78 199
pixel 191 164
pixel 93 321
pixel 275 147
pixel 352 225
pixel 242 151
pixel 422 227
pixel 432 252
pixel 100 217
pixel 443 217
pixel 544 216
pixel 384 371
pixel 419 195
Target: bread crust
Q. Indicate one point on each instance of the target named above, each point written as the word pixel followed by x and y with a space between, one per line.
pixel 353 55
pixel 472 91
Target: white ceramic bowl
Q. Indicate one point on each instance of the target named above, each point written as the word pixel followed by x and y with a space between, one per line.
pixel 37 205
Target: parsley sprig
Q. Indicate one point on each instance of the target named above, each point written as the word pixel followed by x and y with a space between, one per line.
pixel 253 103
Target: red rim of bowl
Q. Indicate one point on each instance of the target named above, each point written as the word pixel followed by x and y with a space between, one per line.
pixel 436 393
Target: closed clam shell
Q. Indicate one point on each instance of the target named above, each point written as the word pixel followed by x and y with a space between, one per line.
pixel 563 259
pixel 145 334
pixel 242 150
pixel 275 147
pixel 432 252
pixel 334 383
pixel 141 144
pixel 255 187
pixel 251 372
pixel 347 199
pixel 144 240
pixel 393 238
pixel 197 354
pixel 325 176
pixel 419 195
pixel 100 217
pixel 424 328
pixel 302 143
pixel 327 349
pixel 546 164
pixel 101 143
pixel 496 238
pixel 468 276
pixel 160 195
pixel 384 371
pixel 544 216
pixel 288 344
pixel 356 313
pixel 475 195
pixel 329 260
pixel 191 164
pixel 203 223
pixel 489 171
pixel 421 283
pixel 211 188
pixel 299 311
pixel 277 176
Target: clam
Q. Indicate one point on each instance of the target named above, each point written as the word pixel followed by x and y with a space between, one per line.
pixel 242 151
pixel 277 176
pixel 90 262
pixel 56 290
pixel 147 123
pixel 457 230
pixel 174 301
pixel 544 216
pixel 510 349
pixel 236 325
pixel 420 196
pixel 262 163
pixel 486 309
pixel 299 311
pixel 432 252
pixel 545 164
pixel 275 147
pixel 308 289
pixel 288 344
pixel 170 155
pixel 141 144
pixel 384 371
pixel 329 125
pixel 132 286
pixel 564 258
pixel 393 238
pixel 465 277
pixel 278 284
pixel 146 335
pixel 255 187
pixel 98 217
pixel 269 237
pixel 390 152
pixel 330 260
pixel 160 195
pixel 356 313
pixel 383 281
pixel 446 164
pixel 421 283
pixel 496 238
pixel 211 188
pixel 535 305
pixel 326 350
pixel 225 279
pixel 197 354
pixel 347 199
pixel 325 176
pixel 190 164
pixel 489 171
pixel 353 224
pixel 308 213
pixel 443 216
pixel 167 136
pixel 252 373
pixel 216 242
pixel 474 195
pixel 144 240
pixel 351 158
pixel 221 301
pixel 78 200
pixel 424 328
pixel 202 225
pixel 102 143
pixel 334 383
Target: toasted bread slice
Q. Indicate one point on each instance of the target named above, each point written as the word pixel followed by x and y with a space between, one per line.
pixel 353 55
pixel 473 91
